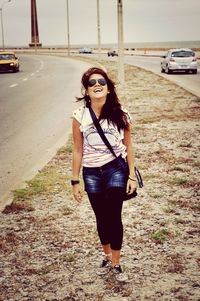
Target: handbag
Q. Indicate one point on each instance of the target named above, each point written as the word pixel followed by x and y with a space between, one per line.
pixel 107 143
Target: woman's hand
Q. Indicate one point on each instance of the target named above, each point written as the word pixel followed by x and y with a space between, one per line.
pixel 131 186
pixel 77 192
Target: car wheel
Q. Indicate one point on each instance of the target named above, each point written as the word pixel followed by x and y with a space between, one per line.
pixel 194 71
pixel 162 70
pixel 167 70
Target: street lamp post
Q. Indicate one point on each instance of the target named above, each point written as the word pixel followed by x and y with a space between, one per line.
pixel 120 42
pixel 2 31
pixel 98 30
pixel 68 35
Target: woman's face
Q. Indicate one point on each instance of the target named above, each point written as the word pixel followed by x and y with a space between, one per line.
pixel 97 87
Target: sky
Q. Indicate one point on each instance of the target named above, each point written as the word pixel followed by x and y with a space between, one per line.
pixel 143 21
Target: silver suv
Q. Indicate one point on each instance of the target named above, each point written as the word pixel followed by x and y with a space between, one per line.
pixel 179 60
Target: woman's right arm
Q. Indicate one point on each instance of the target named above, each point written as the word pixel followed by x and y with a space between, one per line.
pixel 77 158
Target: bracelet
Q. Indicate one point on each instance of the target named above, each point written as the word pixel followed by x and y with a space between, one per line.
pixel 132 179
pixel 74 182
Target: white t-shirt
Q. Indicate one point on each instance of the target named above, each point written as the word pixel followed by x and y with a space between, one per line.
pixel 95 152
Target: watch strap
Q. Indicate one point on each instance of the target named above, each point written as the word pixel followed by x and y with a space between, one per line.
pixel 74 182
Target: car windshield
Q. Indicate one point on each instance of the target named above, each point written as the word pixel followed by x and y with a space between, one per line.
pixel 182 53
pixel 7 56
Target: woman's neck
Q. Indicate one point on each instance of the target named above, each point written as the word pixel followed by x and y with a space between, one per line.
pixel 97 106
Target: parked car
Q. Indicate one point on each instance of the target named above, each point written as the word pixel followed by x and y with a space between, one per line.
pixel 179 60
pixel 85 50
pixel 112 53
pixel 9 61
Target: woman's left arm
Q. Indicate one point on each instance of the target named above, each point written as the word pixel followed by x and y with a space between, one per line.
pixel 132 183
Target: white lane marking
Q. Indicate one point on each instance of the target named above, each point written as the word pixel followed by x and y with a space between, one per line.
pixel 41 65
pixel 32 74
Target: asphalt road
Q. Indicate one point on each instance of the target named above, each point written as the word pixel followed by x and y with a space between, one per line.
pixel 191 82
pixel 35 111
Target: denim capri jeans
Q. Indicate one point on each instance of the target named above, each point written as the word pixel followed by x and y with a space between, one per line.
pixel 100 179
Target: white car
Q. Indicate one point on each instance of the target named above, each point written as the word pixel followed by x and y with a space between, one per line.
pixel 179 60
pixel 85 50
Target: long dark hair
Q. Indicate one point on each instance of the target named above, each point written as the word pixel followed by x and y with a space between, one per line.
pixel 112 108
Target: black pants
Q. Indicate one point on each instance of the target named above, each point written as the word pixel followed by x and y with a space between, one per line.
pixel 108 208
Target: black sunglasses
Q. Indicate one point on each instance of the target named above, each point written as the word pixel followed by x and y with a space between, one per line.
pixel 93 82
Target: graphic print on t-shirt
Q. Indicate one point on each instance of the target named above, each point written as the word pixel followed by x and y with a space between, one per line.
pixel 93 139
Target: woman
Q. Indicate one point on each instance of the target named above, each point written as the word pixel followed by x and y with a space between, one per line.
pixel 105 176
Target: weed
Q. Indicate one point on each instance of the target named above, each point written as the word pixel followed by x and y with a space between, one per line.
pixel 149 175
pixel 169 209
pixel 149 120
pixel 179 220
pixel 68 257
pixel 179 181
pixel 156 195
pixel 137 128
pixel 67 149
pixel 67 210
pixel 142 141
pixel 160 236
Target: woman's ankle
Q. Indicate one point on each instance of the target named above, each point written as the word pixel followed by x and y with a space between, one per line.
pixel 107 252
pixel 108 256
pixel 115 263
pixel 116 257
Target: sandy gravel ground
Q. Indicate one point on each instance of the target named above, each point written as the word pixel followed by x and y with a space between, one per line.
pixel 49 248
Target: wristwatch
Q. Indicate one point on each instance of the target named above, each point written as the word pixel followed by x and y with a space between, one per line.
pixel 74 182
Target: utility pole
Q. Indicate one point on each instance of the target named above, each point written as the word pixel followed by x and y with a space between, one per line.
pixel 98 30
pixel 2 29
pixel 120 42
pixel 68 35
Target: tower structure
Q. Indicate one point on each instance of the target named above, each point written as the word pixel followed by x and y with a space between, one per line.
pixel 34 26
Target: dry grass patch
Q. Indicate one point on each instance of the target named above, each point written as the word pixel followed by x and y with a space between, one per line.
pixel 191 203
pixel 18 205
pixel 174 264
pixel 8 242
